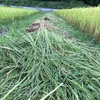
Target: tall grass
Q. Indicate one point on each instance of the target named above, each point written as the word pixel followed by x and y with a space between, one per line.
pixel 44 65
pixel 86 19
pixel 8 14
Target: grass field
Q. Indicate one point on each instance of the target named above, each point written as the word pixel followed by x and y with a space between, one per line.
pixel 8 14
pixel 85 19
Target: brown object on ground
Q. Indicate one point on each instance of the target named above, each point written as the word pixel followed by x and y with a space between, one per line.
pixel 33 27
pixel 46 18
pixel 42 22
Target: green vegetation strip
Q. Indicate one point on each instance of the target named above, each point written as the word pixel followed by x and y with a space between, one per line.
pixel 8 14
pixel 45 65
pixel 86 19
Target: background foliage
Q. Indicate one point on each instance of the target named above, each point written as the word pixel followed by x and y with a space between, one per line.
pixel 51 3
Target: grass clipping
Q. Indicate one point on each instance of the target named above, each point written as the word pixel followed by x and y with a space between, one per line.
pixel 45 66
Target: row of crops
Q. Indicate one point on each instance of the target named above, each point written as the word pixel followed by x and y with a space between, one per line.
pixel 44 65
pixel 85 19
pixel 10 14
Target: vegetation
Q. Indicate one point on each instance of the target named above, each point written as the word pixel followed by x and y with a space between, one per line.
pixel 45 65
pixel 10 14
pixel 91 2
pixel 54 62
pixel 72 33
pixel 85 19
pixel 36 64
pixel 48 4
pixel 17 27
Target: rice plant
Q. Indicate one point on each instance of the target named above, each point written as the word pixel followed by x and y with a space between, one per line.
pixel 85 19
pixel 45 66
pixel 8 14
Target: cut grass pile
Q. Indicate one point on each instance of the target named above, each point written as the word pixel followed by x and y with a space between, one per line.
pixel 46 66
pixel 85 19
pixel 8 14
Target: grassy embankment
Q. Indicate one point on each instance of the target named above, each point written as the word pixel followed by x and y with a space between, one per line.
pixel 44 65
pixel 85 19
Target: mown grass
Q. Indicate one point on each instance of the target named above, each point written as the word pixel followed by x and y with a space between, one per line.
pixel 8 14
pixel 45 65
pixel 85 19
